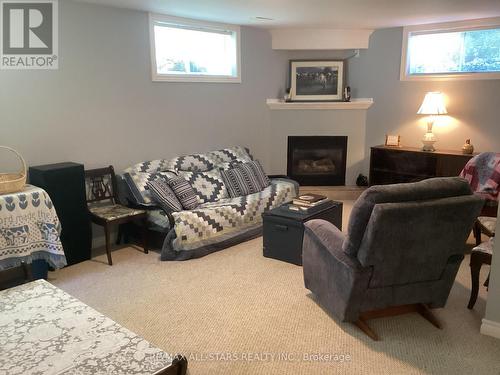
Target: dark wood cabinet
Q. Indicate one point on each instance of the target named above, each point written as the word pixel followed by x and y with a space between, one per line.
pixel 390 165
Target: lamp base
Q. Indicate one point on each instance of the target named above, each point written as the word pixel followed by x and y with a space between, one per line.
pixel 428 141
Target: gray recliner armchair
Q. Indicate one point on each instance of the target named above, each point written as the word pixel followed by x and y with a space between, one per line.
pixel 404 246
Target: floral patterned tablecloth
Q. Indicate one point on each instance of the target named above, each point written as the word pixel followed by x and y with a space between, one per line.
pixel 29 229
pixel 44 330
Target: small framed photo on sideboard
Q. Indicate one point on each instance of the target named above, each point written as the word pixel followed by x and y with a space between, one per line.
pixel 393 140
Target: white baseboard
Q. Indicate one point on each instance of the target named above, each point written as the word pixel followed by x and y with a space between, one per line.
pixel 490 328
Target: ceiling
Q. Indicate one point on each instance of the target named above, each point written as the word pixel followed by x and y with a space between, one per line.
pixel 349 14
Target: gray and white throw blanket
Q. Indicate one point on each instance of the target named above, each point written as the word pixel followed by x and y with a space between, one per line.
pixel 216 225
pixel 218 221
pixel 138 175
pixel 44 330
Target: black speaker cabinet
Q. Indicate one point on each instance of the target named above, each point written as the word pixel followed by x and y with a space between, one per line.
pixel 65 184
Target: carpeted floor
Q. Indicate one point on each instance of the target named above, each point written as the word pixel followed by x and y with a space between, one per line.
pixel 236 312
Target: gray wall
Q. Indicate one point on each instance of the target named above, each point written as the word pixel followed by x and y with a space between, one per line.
pixel 473 106
pixel 101 106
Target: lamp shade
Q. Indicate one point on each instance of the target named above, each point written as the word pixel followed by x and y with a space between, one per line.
pixel 433 104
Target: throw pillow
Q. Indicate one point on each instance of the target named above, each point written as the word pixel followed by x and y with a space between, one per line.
pixel 184 192
pixel 260 174
pixel 163 194
pixel 241 180
pixel 137 184
pixel 208 186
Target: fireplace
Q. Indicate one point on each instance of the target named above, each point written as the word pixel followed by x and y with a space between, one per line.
pixel 317 160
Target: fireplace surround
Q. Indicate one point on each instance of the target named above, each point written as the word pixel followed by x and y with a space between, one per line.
pixel 317 160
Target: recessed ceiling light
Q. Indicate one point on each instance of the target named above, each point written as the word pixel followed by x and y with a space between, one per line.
pixel 258 18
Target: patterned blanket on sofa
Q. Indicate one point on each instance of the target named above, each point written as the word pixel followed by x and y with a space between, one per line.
pixel 220 224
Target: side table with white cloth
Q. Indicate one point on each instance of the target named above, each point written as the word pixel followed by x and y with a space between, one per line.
pixel 29 229
pixel 44 330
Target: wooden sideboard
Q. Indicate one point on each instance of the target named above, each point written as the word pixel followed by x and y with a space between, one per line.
pixel 390 165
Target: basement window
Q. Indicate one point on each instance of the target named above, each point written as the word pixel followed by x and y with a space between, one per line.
pixel 194 51
pixel 463 50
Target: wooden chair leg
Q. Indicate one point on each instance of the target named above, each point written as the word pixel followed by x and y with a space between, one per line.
pixel 145 235
pixel 475 268
pixel 425 312
pixel 107 233
pixel 363 325
pixel 120 234
pixel 477 232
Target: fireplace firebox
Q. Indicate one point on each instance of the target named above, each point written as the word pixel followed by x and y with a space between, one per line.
pixel 317 160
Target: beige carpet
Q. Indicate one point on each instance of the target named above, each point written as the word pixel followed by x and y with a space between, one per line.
pixel 236 312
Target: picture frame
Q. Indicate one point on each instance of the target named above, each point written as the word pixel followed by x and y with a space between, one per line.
pixel 317 80
pixel 392 140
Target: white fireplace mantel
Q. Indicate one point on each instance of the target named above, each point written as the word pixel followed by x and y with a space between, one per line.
pixel 326 119
pixel 360 103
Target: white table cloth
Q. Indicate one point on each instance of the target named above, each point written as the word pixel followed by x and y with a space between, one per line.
pixel 29 229
pixel 44 330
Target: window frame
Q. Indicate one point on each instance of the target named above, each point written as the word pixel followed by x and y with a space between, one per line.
pixel 443 28
pixel 155 18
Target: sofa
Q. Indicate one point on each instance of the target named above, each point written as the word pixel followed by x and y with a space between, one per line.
pixel 219 221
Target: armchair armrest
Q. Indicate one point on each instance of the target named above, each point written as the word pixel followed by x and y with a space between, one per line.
pixel 326 233
pixel 331 239
pixel 336 278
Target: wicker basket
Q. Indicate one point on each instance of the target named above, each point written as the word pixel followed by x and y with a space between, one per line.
pixel 13 182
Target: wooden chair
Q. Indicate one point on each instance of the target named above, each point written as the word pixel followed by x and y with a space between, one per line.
pixel 483 222
pixel 483 174
pixel 103 207
pixel 481 254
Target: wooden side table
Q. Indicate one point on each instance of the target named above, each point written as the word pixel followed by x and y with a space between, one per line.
pixel 91 342
pixel 283 230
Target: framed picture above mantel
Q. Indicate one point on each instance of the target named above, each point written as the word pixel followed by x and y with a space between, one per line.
pixel 316 80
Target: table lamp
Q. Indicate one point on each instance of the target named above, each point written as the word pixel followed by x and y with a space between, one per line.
pixel 433 105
